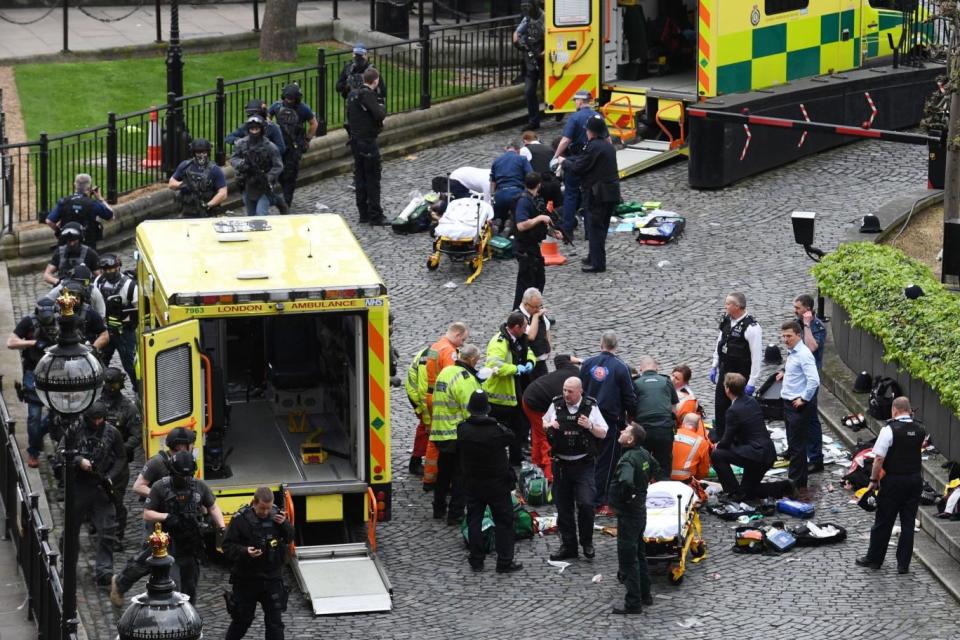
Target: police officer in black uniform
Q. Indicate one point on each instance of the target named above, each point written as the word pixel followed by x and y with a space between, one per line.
pixel 101 466
pixel 84 206
pixel 119 293
pixel 365 114
pixel 898 455
pixel 258 166
pixel 256 543
pixel 532 226
pixel 122 412
pixel 90 324
pixel 291 114
pixel 179 502
pixel 596 166
pixel 739 350
pixel 574 427
pixel 529 38
pixel 199 182
pixel 71 253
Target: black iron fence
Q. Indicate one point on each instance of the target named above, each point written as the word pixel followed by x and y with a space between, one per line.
pixel 140 149
pixel 926 33
pixel 23 524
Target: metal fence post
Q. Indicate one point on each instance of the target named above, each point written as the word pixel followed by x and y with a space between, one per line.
pixel 501 57
pixel 321 110
pixel 419 16
pixel 336 9
pixel 170 136
pixel 156 8
pixel 425 68
pixel 373 24
pixel 44 160
pixel 256 16
pixel 66 19
pixel 112 159
pixel 220 123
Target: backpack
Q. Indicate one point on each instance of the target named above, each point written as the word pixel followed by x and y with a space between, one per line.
pixel 524 526
pixel 289 122
pixel 881 397
pixel 533 485
pixel 414 218
pixel 661 229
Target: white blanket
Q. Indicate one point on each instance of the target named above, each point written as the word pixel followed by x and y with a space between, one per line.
pixel 459 221
pixel 662 508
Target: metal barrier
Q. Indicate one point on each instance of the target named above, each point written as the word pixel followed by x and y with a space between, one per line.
pixel 442 64
pixel 23 524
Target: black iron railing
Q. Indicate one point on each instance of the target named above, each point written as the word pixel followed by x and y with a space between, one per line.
pixel 24 526
pixel 136 150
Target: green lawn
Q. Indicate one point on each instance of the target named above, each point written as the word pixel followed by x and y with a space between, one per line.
pixel 92 89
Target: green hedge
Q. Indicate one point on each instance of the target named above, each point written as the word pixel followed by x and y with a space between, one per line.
pixel 920 336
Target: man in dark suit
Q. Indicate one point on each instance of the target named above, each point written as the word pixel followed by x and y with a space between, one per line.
pixel 746 443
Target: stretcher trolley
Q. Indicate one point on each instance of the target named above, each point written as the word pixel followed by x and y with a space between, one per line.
pixel 463 234
pixel 673 527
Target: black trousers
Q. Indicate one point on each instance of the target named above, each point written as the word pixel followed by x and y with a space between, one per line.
pixel 533 78
pixel 751 485
pixel 631 555
pixel 366 178
pixel 272 596
pixel 449 480
pixel 512 418
pixel 186 574
pixel 531 272
pixel 798 426
pixel 288 177
pixel 608 455
pixel 659 443
pixel 574 493
pixel 599 224
pixel 501 508
pixel 899 497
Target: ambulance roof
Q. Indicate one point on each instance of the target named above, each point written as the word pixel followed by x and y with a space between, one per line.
pixel 236 255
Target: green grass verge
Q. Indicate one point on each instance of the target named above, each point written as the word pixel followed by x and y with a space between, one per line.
pixel 920 336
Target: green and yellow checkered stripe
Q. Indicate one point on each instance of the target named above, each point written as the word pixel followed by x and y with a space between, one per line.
pixel 778 53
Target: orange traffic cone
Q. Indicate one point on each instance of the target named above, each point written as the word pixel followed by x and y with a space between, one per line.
pixel 550 250
pixel 154 157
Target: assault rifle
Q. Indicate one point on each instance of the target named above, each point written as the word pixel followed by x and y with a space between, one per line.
pixel 556 224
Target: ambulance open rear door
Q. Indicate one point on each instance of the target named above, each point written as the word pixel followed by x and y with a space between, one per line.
pixel 573 50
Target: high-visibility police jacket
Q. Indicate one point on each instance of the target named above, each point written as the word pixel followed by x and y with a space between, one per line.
pixel 416 385
pixel 503 356
pixel 451 393
pixel 691 455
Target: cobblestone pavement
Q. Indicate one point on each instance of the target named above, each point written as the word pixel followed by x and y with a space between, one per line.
pixel 665 301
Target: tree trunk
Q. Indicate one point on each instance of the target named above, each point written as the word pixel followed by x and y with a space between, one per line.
pixel 278 35
pixel 951 184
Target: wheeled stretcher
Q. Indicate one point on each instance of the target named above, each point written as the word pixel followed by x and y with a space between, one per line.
pixel 673 527
pixel 463 234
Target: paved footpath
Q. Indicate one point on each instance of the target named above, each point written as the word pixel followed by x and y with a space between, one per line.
pixel 665 301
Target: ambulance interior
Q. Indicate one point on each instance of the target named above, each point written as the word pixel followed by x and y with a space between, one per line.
pixel 287 399
pixel 657 47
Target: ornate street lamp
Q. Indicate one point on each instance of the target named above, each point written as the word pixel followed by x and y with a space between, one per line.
pixel 161 612
pixel 67 378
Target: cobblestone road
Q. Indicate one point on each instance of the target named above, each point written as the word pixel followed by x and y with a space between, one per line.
pixel 664 301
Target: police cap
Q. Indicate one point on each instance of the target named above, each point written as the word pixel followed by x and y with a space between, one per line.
pixel 359 49
pixel 97 411
pixel 292 91
pixel 182 464
pixel 113 377
pixel 582 95
pixel 200 144
pixel 254 107
pixel 180 435
pixel 46 310
pixel 595 125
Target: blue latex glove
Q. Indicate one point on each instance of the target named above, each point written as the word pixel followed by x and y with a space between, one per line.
pixel 750 389
pixel 713 375
pixel 524 368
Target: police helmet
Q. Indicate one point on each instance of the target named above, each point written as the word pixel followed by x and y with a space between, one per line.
pixel 72 231
pixel 200 144
pixel 595 125
pixel 182 464
pixel 46 310
pixel 96 411
pixel 180 435
pixel 113 378
pixel 110 261
pixel 78 288
pixel 82 273
pixel 254 107
pixel 291 92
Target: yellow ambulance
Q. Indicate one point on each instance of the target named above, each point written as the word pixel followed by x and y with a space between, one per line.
pixel 269 337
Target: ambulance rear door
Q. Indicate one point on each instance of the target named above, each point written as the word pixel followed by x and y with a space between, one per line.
pixel 573 51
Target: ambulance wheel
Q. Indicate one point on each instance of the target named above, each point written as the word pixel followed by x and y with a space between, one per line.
pixel 698 549
pixel 432 263
pixel 676 574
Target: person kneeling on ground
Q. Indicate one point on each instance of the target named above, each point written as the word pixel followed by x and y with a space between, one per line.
pixel 746 443
pixel 628 497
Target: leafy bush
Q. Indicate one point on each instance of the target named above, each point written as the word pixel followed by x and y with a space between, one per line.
pixel 921 336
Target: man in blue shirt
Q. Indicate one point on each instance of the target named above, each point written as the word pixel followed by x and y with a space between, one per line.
pixel 573 141
pixel 800 383
pixel 200 183
pixel 84 206
pixel 257 107
pixel 607 378
pixel 506 181
pixel 532 227
pixel 814 335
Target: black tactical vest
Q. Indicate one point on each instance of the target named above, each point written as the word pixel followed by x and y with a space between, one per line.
pixel 266 537
pixel 70 260
pixel 570 439
pixel 904 455
pixel 541 155
pixel 733 348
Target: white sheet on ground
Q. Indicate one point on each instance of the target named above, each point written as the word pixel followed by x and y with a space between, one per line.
pixel 459 221
pixel 662 508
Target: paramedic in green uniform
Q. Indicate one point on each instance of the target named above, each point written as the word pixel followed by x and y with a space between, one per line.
pixel 656 402
pixel 628 497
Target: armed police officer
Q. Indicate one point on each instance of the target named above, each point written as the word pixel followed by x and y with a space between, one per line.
pixel 90 325
pixel 258 165
pixel 507 175
pixel 532 227
pixel 572 143
pixel 365 114
pixel 101 467
pixel 122 412
pixel 84 206
pixel 291 114
pixel 179 502
pixel 596 169
pixel 199 182
pixel 529 38
pixel 119 292
pixel 271 130
pixel 31 337
pixel 351 76
pixel 898 452
pixel 739 350
pixel 71 253
pixel 574 428
pixel 256 543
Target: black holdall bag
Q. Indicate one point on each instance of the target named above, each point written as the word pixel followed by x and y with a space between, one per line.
pixel 881 397
pixel 768 395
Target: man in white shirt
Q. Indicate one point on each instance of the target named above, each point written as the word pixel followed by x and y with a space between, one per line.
pixel 467 180
pixel 739 350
